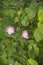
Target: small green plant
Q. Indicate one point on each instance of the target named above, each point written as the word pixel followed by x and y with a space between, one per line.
pixel 21 32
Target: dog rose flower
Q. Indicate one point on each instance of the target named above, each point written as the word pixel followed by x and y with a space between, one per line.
pixel 10 30
pixel 25 34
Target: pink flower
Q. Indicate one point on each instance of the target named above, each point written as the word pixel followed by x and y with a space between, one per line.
pixel 25 34
pixel 10 30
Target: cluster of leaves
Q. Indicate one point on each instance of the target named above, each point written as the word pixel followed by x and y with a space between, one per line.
pixel 22 15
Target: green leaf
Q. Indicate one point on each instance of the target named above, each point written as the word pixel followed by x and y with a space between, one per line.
pixel 32 9
pixel 40 15
pixel 9 12
pixel 32 62
pixel 20 11
pixel 38 35
pixel 30 46
pixel 31 13
pixel 17 63
pixel 36 50
pixel 25 21
pixel 10 61
pixel 31 53
pixel 3 60
pixel 16 19
pixel 40 26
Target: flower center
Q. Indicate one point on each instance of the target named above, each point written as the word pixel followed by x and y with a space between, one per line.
pixel 10 30
pixel 25 34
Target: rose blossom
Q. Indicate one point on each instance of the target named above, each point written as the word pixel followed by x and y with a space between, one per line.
pixel 10 30
pixel 25 34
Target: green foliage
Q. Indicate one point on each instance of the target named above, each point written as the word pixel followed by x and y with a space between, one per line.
pixel 22 15
pixel 38 35
pixel 31 10
pixel 40 26
pixel 33 49
pixel 9 12
pixel 17 63
pixel 3 60
pixel 31 62
pixel 25 21
pixel 40 14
